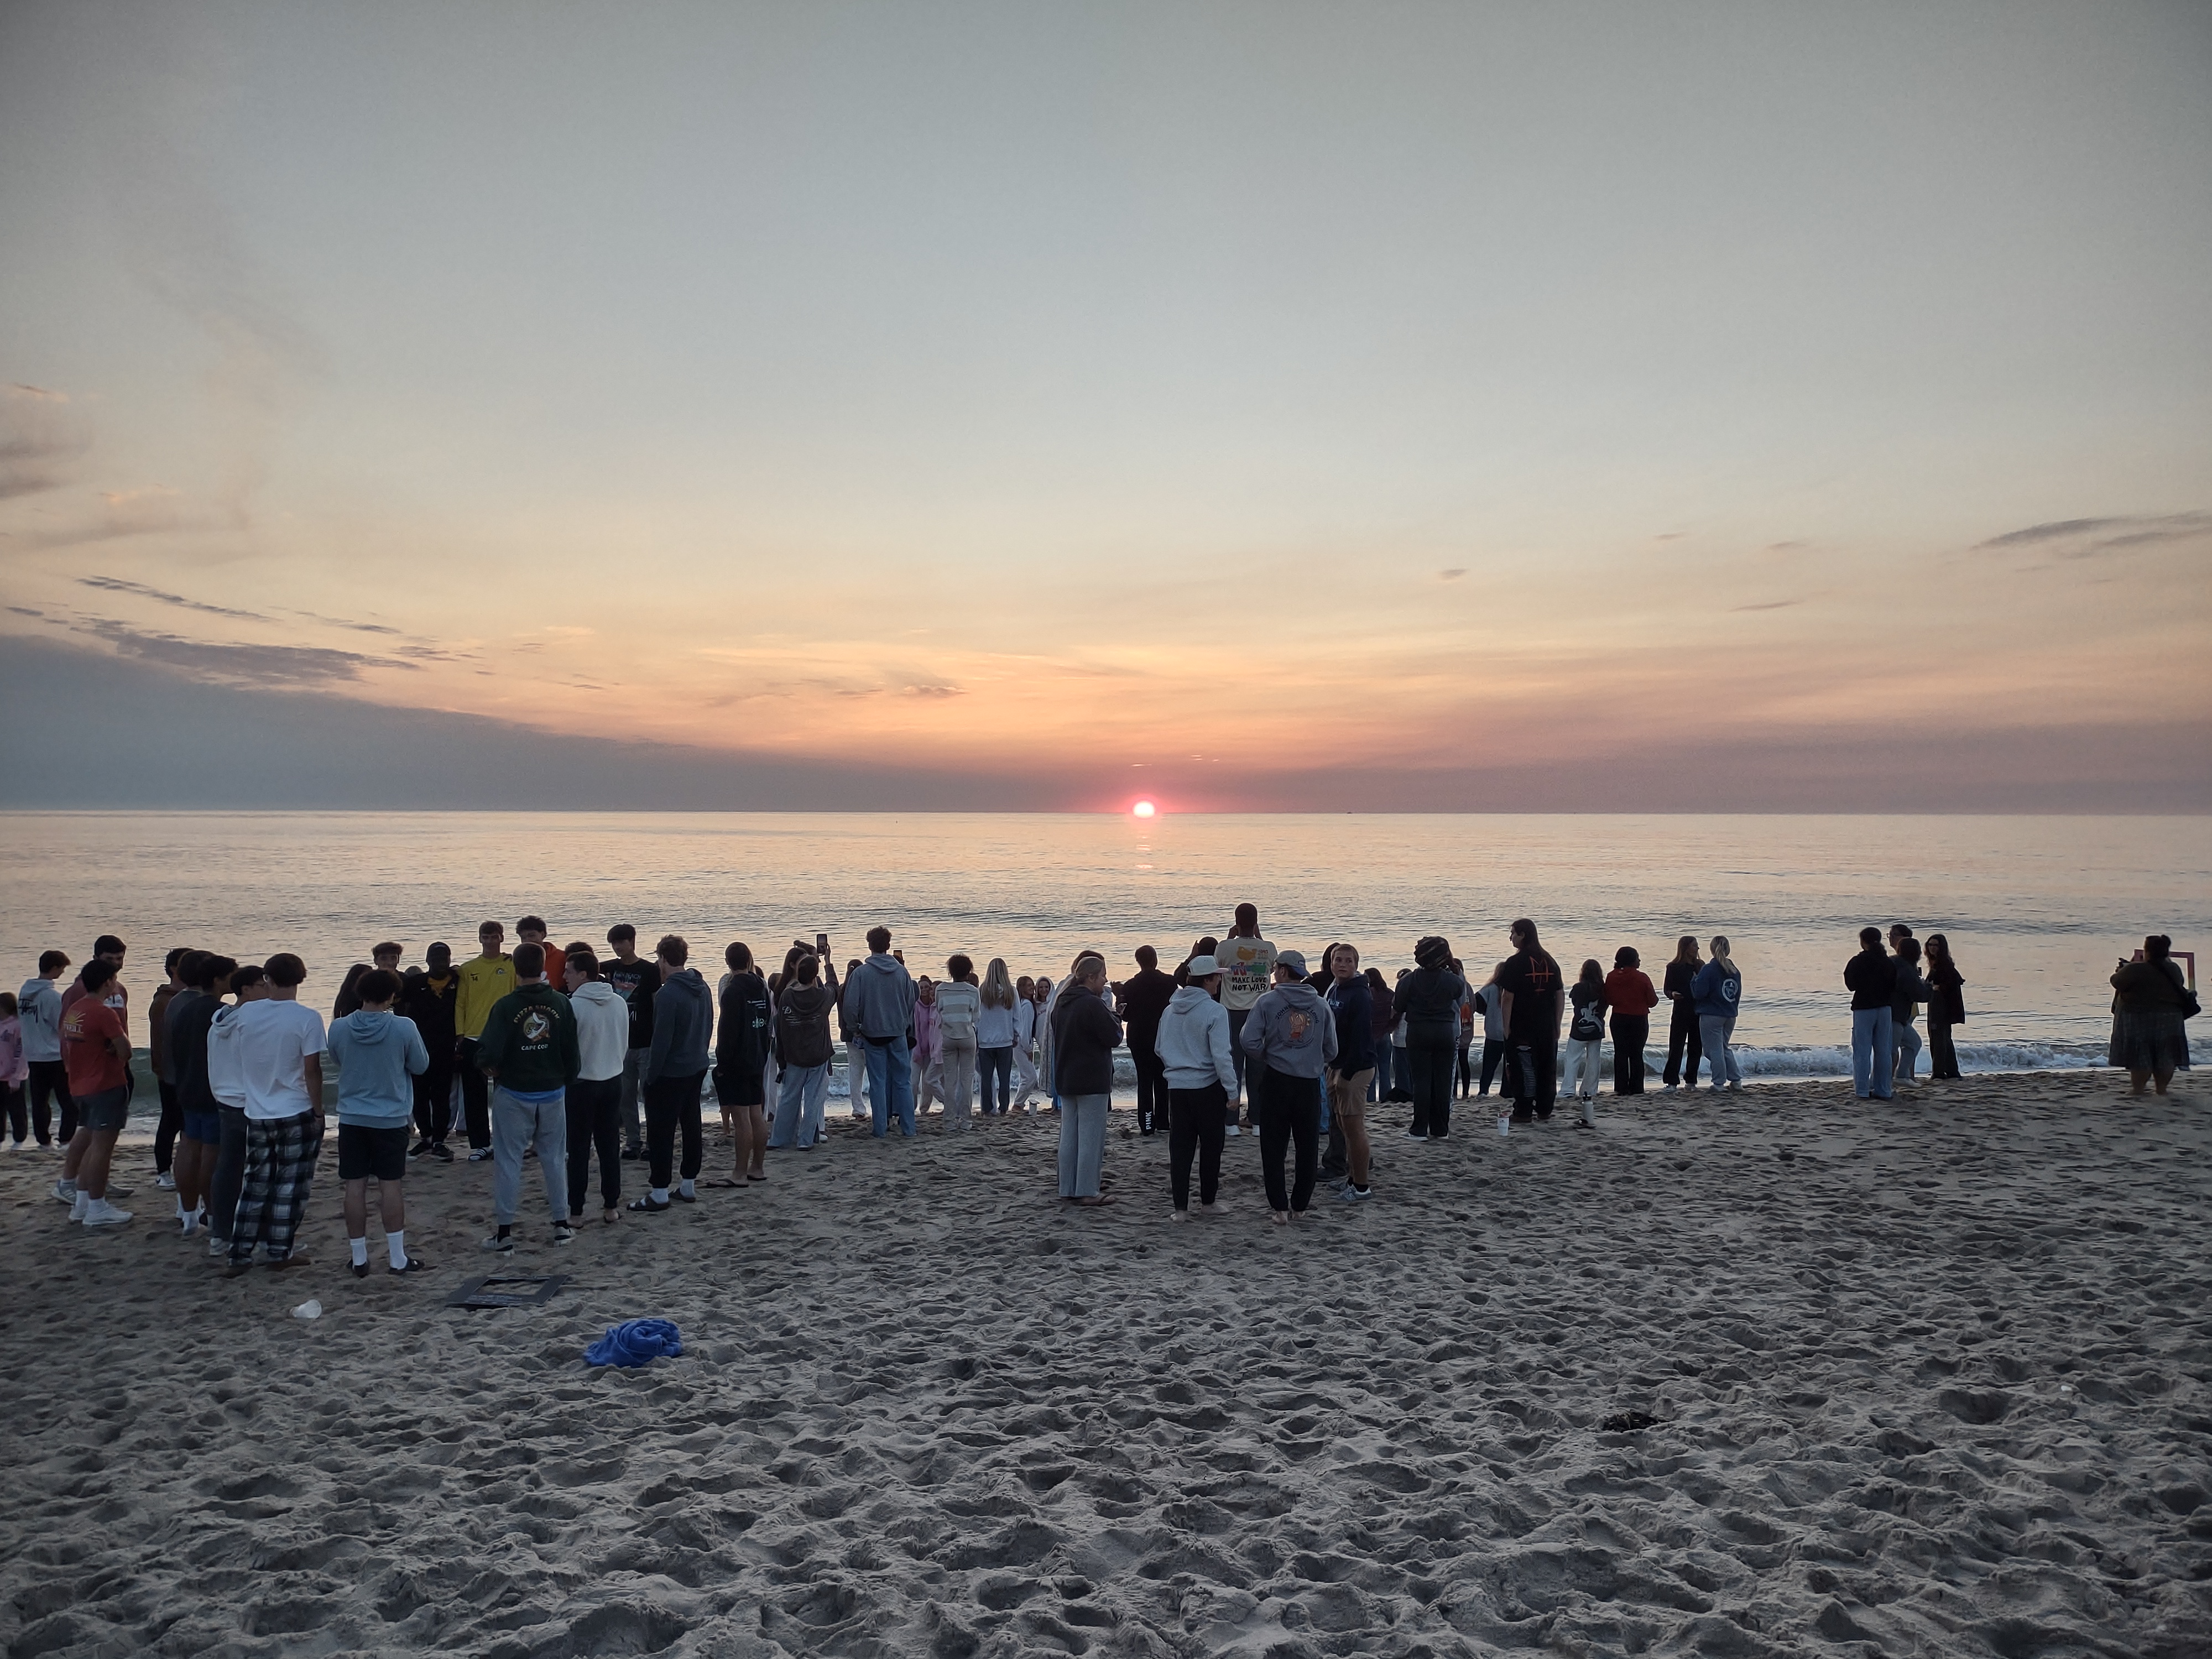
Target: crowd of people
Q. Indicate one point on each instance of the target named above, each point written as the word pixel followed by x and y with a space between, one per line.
pixel 562 1055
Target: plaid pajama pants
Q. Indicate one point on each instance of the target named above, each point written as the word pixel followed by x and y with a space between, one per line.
pixel 280 1167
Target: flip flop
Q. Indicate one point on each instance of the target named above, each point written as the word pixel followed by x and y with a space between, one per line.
pixel 720 1181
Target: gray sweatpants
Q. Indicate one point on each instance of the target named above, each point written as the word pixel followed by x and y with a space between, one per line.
pixel 1082 1143
pixel 515 1124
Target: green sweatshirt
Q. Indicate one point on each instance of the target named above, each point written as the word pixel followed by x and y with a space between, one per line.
pixel 530 1040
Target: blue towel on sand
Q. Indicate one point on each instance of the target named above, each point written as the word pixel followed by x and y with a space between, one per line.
pixel 635 1342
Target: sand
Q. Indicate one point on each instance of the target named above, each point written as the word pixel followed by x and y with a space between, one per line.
pixel 1930 1378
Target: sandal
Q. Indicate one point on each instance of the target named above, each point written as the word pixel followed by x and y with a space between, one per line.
pixel 646 1206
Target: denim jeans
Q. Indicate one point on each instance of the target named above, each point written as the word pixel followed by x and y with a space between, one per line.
pixel 1872 1051
pixel 1714 1031
pixel 798 1106
pixel 891 1084
pixel 995 1068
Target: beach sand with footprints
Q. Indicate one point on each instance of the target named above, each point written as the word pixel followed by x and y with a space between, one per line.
pixel 1930 1377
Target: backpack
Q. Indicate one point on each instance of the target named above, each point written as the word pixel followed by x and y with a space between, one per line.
pixel 801 1039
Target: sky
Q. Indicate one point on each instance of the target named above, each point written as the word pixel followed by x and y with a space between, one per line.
pixel 1548 407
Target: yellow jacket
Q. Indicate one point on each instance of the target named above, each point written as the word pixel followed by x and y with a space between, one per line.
pixel 484 981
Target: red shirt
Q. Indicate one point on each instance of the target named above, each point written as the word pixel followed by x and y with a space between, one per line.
pixel 1628 991
pixel 93 1067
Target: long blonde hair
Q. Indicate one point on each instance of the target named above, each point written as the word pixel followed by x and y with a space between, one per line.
pixel 997 986
pixel 1721 955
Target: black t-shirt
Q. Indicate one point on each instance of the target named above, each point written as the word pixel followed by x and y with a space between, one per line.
pixel 626 977
pixel 1534 979
pixel 190 1012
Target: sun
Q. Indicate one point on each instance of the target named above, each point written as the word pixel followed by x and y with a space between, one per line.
pixel 1144 809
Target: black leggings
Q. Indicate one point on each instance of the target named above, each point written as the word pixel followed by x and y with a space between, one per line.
pixel 1431 1065
pixel 165 1131
pixel 1942 1058
pixel 434 1099
pixel 1198 1121
pixel 1151 1086
pixel 595 1119
pixel 671 1103
pixel 1684 1029
pixel 229 1173
pixel 475 1096
pixel 1290 1110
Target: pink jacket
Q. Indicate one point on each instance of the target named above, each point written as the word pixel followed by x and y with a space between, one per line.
pixel 15 1070
pixel 924 1033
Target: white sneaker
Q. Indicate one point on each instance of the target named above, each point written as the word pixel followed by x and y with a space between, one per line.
pixel 166 1182
pixel 100 1213
pixel 1232 1131
pixel 79 1206
pixel 63 1194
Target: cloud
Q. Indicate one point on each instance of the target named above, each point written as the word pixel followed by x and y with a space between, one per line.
pixel 2095 535
pixel 1784 547
pixel 25 610
pixel 116 584
pixel 1770 605
pixel 268 667
pixel 40 435
pixel 1452 574
pixel 932 691
pixel 122 513
pixel 340 622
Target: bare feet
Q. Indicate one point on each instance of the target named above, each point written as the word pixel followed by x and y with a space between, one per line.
pixel 1280 1218
pixel 1217 1208
pixel 1178 1215
pixel 610 1217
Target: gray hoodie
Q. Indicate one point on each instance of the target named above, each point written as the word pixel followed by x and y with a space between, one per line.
pixel 683 1021
pixel 378 1055
pixel 1193 1041
pixel 1290 1030
pixel 880 998
pixel 602 1029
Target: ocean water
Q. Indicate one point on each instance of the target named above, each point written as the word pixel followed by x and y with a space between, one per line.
pixel 2038 910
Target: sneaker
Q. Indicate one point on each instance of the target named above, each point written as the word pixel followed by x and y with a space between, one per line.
pixel 79 1204
pixel 634 1154
pixel 498 1242
pixel 1670 1088
pixel 564 1234
pixel 100 1213
pixel 441 1151
pixel 1352 1194
pixel 419 1148
pixel 63 1194
pixel 166 1182
pixel 1415 1135
pixel 479 1154
pixel 1232 1132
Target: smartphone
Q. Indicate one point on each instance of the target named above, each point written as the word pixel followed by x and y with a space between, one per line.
pixel 821 944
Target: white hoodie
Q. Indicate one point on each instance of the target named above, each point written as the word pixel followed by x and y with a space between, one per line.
pixel 602 1031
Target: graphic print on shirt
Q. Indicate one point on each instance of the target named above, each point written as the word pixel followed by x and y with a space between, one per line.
pixel 536 1025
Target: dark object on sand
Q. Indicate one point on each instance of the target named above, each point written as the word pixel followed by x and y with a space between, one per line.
pixel 1630 1423
pixel 523 1291
pixel 635 1342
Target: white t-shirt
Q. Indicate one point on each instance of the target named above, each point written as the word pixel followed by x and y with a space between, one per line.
pixel 274 1040
pixel 1248 965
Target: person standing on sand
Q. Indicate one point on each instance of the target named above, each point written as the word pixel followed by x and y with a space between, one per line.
pixel 427 997
pixel 96 1050
pixel 635 979
pixel 39 1006
pixel 593 1104
pixel 2152 1005
pixel 278 1050
pixel 1490 1003
pixel 1381 1015
pixel 227 1083
pixel 1193 1049
pixel 110 949
pixel 802 1037
pixel 1535 1008
pixel 165 1076
pixel 995 1027
pixel 1630 994
pixel 484 979
pixel 923 1054
pixel 682 1018
pixel 14 1071
pixel 958 1004
pixel 200 1142
pixel 379 1054
pixel 1946 1007
pixel 1247 963
pixel 1025 1037
pixel 1871 978
pixel 742 1041
pixel 1717 993
pixel 1292 1036
pixel 1428 1001
pixel 1682 1022
pixel 1585 1037
pixel 1351 1070
pixel 1085 1034
pixel 878 1001
pixel 528 1052
pixel 1144 998
pixel 1904 1008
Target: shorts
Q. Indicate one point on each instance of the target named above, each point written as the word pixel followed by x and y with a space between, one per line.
pixel 206 1127
pixel 367 1149
pixel 105 1112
